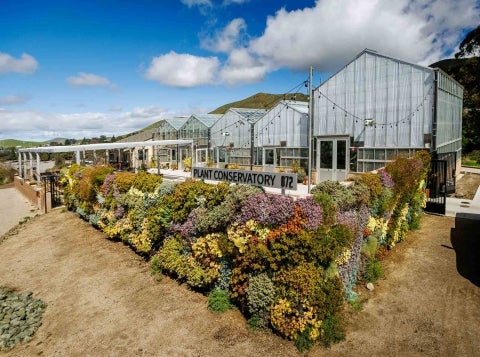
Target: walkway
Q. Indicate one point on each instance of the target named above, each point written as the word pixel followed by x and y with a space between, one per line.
pixel 13 208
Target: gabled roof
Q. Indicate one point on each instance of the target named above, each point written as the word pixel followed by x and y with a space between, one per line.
pixel 176 122
pixel 250 115
pixel 301 107
pixel 207 119
pixel 375 53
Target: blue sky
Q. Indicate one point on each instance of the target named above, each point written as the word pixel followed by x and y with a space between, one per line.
pixel 87 68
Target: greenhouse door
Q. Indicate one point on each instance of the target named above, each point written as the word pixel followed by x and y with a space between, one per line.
pixel 269 159
pixel 202 157
pixel 332 159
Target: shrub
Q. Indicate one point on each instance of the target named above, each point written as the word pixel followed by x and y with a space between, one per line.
pixel 146 182
pixel 373 270
pixel 158 219
pixel 306 338
pixel 165 188
pixel 328 207
pixel 124 181
pixel 260 294
pixel 267 209
pixel 219 301
pixel 172 260
pixel 405 174
pixel 344 197
pixel 386 179
pixel 374 185
pixel 298 283
pixel 6 174
pixel 255 323
pixel 89 181
pixel 187 163
pixel 370 246
pixel 311 211
pixel 291 318
pixel 155 265
pixel 294 166
pixel 191 194
pixel 425 158
pixel 333 330
pixel 356 305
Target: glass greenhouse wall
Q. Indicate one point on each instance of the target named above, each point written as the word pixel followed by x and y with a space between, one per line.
pixel 448 114
pixel 383 108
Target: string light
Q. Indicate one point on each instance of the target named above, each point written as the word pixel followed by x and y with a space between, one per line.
pixel 406 118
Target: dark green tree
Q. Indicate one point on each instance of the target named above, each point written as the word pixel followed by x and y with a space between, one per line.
pixel 469 76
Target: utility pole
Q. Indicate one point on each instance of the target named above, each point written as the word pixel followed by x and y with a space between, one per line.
pixel 310 127
pixel 251 145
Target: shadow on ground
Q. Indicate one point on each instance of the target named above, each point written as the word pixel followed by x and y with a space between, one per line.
pixel 465 239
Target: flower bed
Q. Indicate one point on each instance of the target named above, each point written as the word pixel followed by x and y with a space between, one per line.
pixel 286 264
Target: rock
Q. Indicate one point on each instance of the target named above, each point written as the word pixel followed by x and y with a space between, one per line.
pixel 370 287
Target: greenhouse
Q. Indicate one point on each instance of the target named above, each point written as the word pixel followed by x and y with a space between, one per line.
pixel 377 108
pixel 197 127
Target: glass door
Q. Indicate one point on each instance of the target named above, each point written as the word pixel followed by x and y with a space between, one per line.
pixel 269 160
pixel 201 158
pixel 332 159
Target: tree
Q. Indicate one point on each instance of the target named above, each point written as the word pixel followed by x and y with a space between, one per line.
pixel 470 45
pixel 469 76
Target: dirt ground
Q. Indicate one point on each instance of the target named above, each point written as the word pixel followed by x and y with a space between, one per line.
pixel 102 300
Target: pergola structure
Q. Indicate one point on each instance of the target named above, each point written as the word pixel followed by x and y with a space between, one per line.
pixel 26 164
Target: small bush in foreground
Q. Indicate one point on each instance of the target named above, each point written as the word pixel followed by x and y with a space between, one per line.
pixel 255 323
pixel 373 270
pixel 332 330
pixel 219 301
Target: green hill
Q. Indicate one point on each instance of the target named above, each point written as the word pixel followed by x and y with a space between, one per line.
pixel 11 143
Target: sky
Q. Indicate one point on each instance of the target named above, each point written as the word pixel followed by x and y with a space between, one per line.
pixel 76 69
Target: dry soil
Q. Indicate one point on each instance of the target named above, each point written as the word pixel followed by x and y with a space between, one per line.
pixel 102 300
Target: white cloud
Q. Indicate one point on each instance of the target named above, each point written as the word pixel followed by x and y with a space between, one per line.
pixel 241 67
pixel 89 80
pixel 183 70
pixel 13 99
pixel 45 126
pixel 326 36
pixel 26 64
pixel 331 33
pixel 191 3
pixel 229 38
pixel 230 2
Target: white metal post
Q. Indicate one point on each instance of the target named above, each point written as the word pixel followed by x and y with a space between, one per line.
pixel 20 164
pixel 25 165
pixel 135 159
pixel 31 164
pixel 38 168
pixel 310 127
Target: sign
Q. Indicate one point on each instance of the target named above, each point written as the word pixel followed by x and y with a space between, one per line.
pixel 257 178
